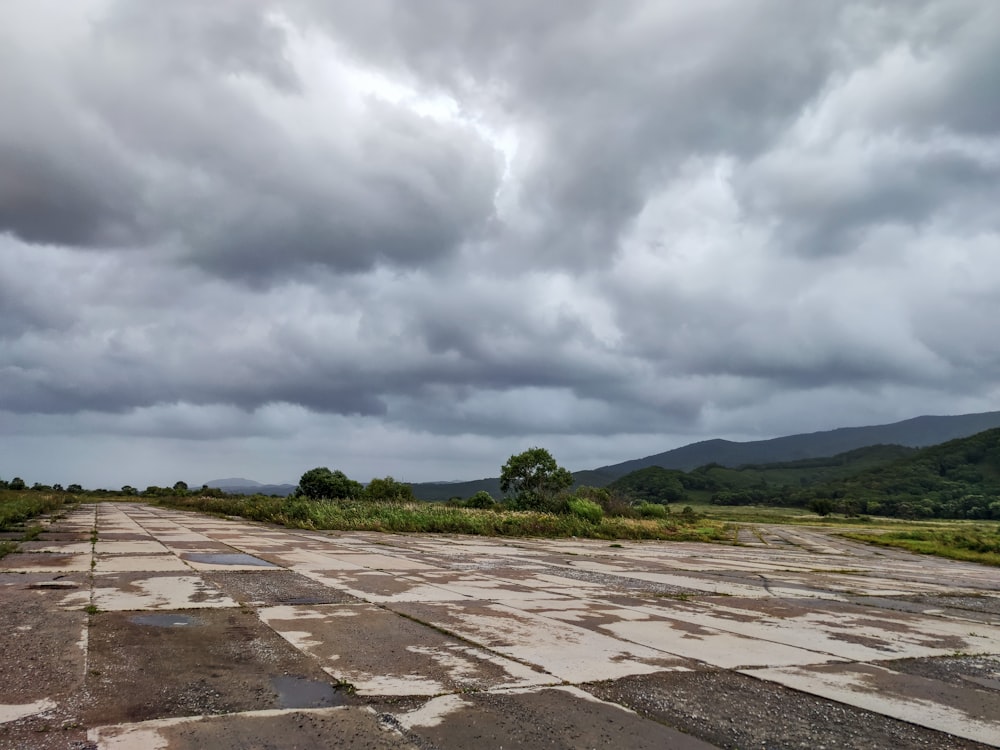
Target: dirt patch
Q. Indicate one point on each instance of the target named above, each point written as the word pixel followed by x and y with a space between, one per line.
pixel 43 665
pixel 189 663
pixel 735 711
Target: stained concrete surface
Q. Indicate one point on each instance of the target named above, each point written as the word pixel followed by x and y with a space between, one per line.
pixel 178 630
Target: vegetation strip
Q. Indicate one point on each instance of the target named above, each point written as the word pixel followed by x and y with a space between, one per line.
pixel 972 543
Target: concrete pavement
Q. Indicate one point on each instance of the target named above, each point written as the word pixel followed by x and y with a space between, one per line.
pixel 177 630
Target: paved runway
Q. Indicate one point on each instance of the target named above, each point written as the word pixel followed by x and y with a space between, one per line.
pixel 177 630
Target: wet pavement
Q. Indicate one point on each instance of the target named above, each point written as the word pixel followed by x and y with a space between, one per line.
pixel 177 630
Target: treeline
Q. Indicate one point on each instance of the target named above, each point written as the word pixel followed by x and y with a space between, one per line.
pixel 957 479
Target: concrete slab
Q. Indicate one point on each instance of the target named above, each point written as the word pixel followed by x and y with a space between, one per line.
pixel 139 563
pixel 382 653
pixel 117 592
pixel 345 727
pixel 967 712
pixel 46 562
pixel 190 662
pixel 567 652
pixel 562 717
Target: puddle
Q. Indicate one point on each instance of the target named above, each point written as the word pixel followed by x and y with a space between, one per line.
pixel 227 558
pixel 163 621
pixel 298 692
pixel 58 585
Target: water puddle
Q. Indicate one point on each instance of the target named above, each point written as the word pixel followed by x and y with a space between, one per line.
pixel 163 621
pixel 227 558
pixel 298 692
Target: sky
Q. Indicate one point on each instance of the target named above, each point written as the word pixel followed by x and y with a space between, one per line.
pixel 244 239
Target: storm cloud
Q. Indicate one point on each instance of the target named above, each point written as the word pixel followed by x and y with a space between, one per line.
pixel 247 239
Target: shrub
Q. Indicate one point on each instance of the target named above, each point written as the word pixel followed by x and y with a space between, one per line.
pixel 652 510
pixel 483 500
pixel 586 509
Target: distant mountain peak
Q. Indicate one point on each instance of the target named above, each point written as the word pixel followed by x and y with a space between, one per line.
pixel 233 482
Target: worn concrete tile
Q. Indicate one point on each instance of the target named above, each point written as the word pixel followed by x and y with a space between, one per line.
pixel 840 629
pixel 558 717
pixel 305 559
pixel 275 587
pixel 964 712
pixel 148 665
pixel 116 592
pixel 137 563
pixel 382 653
pixel 347 727
pixel 145 547
pixel 380 587
pixel 228 560
pixel 42 562
pixel 571 653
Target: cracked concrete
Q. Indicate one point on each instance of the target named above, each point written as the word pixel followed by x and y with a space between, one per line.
pixel 177 630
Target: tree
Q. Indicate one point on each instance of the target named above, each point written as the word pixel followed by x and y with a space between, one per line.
pixel 180 487
pixel 533 479
pixel 389 490
pixel 17 484
pixel 322 483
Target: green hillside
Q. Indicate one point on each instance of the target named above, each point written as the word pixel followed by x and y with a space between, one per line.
pixel 755 483
pixel 957 479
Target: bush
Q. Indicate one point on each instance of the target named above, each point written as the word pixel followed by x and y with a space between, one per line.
pixel 483 500
pixel 652 510
pixel 586 509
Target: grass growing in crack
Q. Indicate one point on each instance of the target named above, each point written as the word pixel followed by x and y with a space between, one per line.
pixel 31 533
pixel 444 519
pixel 7 548
pixel 972 543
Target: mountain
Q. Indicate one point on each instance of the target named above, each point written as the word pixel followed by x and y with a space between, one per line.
pixel 239 486
pixel 232 482
pixel 752 483
pixel 956 479
pixel 918 432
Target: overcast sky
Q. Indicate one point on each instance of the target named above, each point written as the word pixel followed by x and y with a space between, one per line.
pixel 413 238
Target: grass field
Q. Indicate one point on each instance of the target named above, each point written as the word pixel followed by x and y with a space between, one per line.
pixel 439 518
pixel 958 540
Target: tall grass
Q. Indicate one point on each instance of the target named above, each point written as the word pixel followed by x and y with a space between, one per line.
pixel 18 506
pixel 971 543
pixel 443 519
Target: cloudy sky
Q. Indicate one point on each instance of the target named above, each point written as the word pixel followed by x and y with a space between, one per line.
pixel 413 238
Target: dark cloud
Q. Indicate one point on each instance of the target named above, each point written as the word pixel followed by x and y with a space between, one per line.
pixel 391 230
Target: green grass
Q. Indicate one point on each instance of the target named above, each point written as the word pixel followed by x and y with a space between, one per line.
pixel 16 507
pixel 969 542
pixel 443 519
pixel 7 548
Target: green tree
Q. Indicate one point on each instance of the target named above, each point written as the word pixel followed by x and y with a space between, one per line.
pixel 388 489
pixel 17 484
pixel 322 483
pixel 180 487
pixel 533 479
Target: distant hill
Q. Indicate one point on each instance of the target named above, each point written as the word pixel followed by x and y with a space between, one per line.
pixel 752 483
pixel 915 433
pixel 956 479
pixel 239 486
